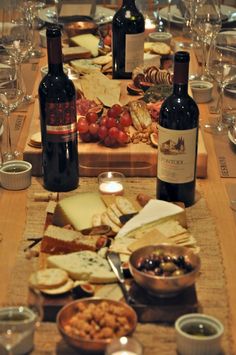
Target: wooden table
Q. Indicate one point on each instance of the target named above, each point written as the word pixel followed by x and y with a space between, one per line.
pixel 13 217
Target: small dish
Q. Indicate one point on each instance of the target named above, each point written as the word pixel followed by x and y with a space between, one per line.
pixel 22 320
pixel 164 284
pixel 15 175
pixel 201 90
pixel 73 333
pixel 198 334
pixel 164 37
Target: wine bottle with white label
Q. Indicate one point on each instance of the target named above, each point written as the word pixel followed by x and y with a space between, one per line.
pixel 57 102
pixel 178 139
pixel 127 40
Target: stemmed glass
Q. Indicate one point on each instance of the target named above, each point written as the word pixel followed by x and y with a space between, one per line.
pixel 30 9
pixel 16 36
pixel 206 24
pixel 11 95
pixel 221 66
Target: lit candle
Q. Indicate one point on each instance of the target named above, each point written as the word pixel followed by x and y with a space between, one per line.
pixel 150 26
pixel 111 187
pixel 110 183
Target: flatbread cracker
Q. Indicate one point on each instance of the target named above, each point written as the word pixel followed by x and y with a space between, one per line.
pixel 48 278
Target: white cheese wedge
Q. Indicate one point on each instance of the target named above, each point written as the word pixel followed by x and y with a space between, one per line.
pixel 88 41
pixel 78 210
pixel 84 265
pixel 154 211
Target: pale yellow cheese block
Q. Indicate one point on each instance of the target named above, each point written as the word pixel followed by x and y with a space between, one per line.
pixel 88 41
pixel 78 210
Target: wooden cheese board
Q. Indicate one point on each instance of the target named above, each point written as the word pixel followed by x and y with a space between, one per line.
pixel 132 160
pixel 149 308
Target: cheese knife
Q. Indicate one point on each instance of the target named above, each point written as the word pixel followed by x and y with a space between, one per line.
pixel 115 263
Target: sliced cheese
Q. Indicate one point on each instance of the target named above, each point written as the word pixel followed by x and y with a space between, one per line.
pixel 88 41
pixel 78 210
pixel 84 265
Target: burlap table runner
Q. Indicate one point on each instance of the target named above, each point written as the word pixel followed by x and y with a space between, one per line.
pixel 156 338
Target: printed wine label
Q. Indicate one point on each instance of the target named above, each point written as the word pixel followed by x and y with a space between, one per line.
pixel 134 44
pixel 61 121
pixel 176 155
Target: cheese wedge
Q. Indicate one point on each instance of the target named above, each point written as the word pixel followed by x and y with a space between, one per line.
pixel 78 210
pixel 84 265
pixel 88 41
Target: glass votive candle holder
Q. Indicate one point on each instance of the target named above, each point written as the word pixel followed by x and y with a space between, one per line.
pixel 124 346
pixel 111 183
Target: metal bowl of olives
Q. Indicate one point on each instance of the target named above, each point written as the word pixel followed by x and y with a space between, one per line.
pixel 164 270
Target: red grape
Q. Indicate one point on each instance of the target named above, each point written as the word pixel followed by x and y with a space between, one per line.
pixel 82 125
pixel 102 132
pixel 122 137
pixel 93 128
pixel 125 119
pixel 92 117
pixel 85 137
pixel 113 132
pixel 111 122
pixel 110 142
pixel 114 111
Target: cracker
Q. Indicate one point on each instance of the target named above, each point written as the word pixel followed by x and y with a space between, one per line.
pixel 59 290
pixel 102 60
pixel 161 48
pixel 113 216
pixel 125 205
pixel 48 278
pixel 106 220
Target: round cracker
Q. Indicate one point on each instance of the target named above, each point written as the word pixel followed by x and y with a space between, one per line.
pixel 59 290
pixel 102 60
pixel 161 48
pixel 36 138
pixel 48 278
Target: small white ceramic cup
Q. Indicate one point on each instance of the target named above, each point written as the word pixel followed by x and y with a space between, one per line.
pixel 201 90
pixel 23 324
pixel 15 175
pixel 195 343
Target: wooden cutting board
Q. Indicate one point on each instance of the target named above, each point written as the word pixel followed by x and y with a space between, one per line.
pixel 132 160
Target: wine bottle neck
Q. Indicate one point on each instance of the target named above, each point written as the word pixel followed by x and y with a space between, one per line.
pixel 54 51
pixel 129 3
pixel 180 79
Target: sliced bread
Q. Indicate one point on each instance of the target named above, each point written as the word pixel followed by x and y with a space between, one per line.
pixel 57 240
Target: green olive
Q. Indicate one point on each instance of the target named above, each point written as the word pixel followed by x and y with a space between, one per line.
pixel 168 266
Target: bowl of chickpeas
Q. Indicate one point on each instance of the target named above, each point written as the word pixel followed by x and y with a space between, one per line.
pixel 90 324
pixel 164 270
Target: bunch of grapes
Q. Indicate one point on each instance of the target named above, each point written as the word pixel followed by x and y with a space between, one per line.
pixel 110 129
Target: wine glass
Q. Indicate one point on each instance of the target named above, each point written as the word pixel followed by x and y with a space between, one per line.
pixel 30 9
pixel 186 8
pixel 205 25
pixel 221 66
pixel 11 95
pixel 16 37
